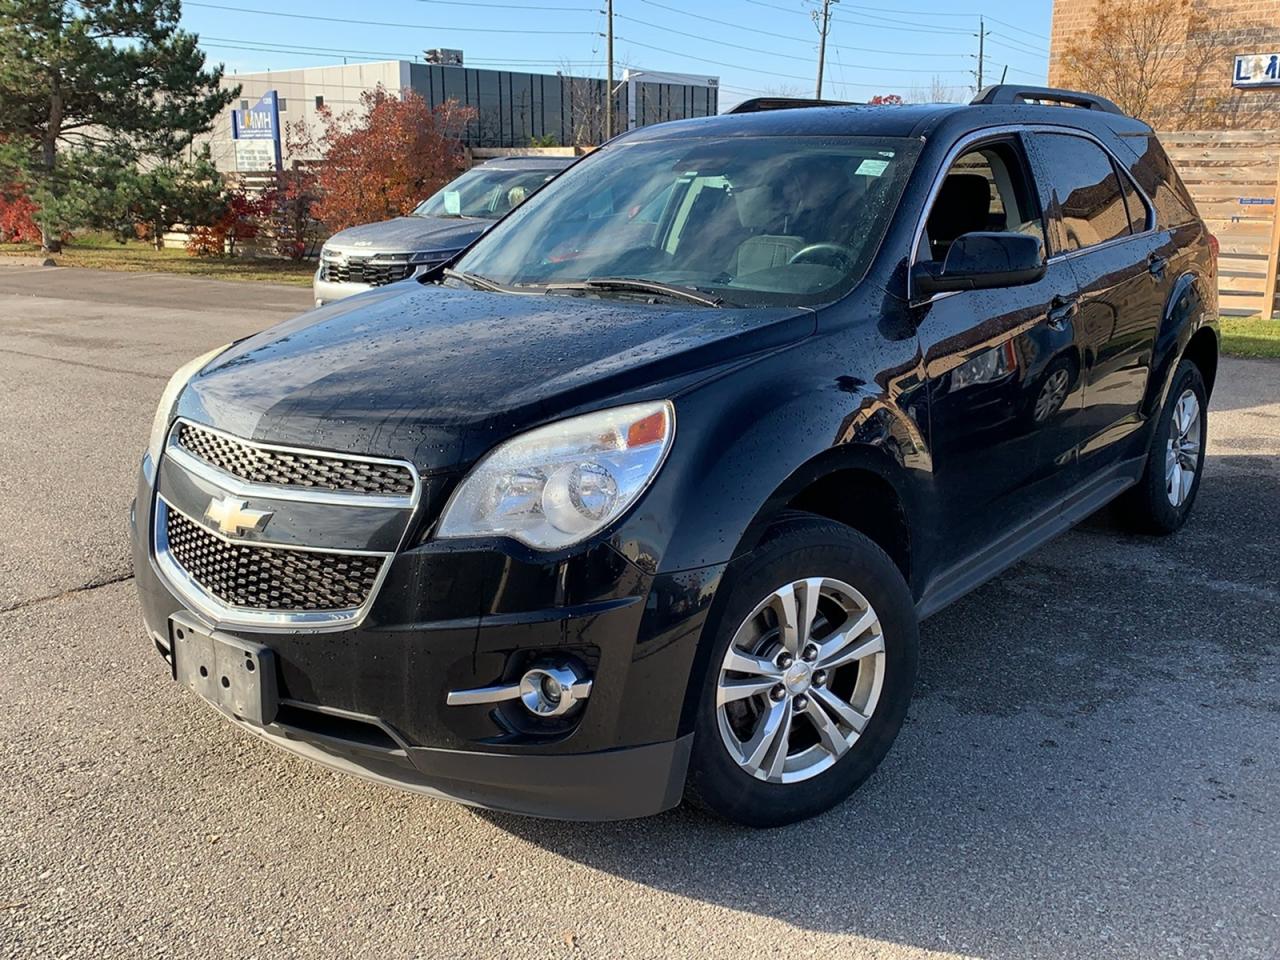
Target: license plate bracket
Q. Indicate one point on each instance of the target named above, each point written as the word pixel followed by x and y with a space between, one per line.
pixel 236 675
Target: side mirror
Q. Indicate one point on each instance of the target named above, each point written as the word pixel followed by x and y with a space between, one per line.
pixel 981 261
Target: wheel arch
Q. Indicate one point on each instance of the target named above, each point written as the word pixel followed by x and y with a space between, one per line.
pixel 861 487
pixel 1202 350
pixel 1184 327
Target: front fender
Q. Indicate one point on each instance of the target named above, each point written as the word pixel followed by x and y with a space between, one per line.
pixel 748 442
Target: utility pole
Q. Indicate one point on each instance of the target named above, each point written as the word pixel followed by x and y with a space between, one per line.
pixel 608 87
pixel 823 21
pixel 982 36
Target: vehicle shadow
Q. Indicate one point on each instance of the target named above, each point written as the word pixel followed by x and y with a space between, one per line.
pixel 1089 768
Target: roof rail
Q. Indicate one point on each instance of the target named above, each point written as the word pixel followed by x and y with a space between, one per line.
pixel 759 104
pixel 1016 93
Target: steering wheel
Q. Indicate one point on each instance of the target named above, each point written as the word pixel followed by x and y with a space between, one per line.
pixel 831 254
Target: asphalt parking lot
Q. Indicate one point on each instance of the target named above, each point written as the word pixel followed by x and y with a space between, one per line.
pixel 1091 768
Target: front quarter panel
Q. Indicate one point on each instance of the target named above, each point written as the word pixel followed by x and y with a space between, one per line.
pixel 750 439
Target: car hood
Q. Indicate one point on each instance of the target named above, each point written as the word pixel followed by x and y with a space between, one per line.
pixel 408 235
pixel 438 374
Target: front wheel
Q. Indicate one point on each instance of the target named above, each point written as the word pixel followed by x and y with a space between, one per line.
pixel 811 672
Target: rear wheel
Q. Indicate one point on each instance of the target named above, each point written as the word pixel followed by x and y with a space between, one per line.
pixel 811 673
pixel 1162 499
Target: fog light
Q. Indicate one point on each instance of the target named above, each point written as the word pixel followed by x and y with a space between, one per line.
pixel 552 691
pixel 549 690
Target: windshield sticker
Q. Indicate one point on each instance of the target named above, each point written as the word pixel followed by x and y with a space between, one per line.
pixel 872 168
pixel 452 202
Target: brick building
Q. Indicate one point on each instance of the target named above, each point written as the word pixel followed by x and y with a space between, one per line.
pixel 1249 28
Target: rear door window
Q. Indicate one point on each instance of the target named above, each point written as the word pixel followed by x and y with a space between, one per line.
pixel 1086 193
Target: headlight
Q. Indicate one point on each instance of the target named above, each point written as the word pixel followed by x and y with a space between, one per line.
pixel 431 256
pixel 987 367
pixel 160 425
pixel 559 484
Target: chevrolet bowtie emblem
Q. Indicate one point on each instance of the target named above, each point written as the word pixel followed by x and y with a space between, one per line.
pixel 233 516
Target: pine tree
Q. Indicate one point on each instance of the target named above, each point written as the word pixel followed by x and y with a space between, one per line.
pixel 88 86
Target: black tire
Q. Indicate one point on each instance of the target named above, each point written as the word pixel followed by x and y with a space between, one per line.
pixel 1064 363
pixel 804 545
pixel 1147 507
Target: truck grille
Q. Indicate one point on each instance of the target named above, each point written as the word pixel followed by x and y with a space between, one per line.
pixel 292 469
pixel 377 273
pixel 270 578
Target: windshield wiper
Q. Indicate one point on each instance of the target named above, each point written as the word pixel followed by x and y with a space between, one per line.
pixel 642 286
pixel 475 280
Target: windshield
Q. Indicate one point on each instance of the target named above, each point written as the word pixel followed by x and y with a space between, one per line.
pixel 748 220
pixel 483 192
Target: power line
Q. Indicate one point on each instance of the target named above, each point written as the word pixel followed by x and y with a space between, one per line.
pixel 719 43
pixel 1015 44
pixel 785 56
pixel 721 23
pixel 382 23
pixel 907 26
pixel 235 43
pixel 1012 26
pixel 718 63
pixel 876 12
pixel 754 69
pixel 923 13
pixel 808 41
pixel 508 6
pixel 878 20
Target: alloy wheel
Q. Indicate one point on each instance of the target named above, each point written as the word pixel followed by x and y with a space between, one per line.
pixel 800 680
pixel 1052 395
pixel 1182 453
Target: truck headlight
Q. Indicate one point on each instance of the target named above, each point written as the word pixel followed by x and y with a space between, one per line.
pixel 164 410
pixel 558 485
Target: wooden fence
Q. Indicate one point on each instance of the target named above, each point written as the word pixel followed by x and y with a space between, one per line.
pixel 1234 176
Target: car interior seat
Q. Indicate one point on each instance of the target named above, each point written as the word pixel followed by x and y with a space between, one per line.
pixel 963 206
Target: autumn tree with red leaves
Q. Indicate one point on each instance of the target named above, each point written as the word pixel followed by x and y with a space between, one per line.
pixel 18 217
pixel 382 160
pixel 239 218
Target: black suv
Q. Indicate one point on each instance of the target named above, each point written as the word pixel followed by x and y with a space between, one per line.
pixel 644 495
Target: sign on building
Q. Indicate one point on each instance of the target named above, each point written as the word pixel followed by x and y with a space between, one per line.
pixel 1257 70
pixel 256 133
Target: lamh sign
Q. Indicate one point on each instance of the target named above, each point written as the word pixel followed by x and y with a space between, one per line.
pixel 1257 70
pixel 256 132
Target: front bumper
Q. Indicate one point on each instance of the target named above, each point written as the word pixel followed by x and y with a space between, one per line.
pixel 605 785
pixel 328 291
pixel 371 699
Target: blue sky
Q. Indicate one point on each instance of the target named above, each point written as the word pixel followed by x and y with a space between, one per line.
pixel 754 46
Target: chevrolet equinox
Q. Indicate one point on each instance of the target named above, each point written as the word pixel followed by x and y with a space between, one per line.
pixel 643 495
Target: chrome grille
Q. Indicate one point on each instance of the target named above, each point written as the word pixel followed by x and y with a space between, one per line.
pixel 364 270
pixel 269 578
pixel 292 468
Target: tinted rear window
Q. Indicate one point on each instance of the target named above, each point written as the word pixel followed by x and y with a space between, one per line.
pixel 1090 200
pixel 1156 175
